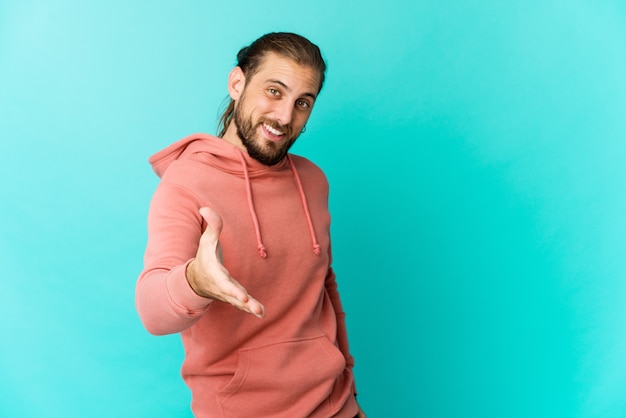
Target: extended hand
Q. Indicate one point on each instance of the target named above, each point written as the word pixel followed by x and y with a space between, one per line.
pixel 207 275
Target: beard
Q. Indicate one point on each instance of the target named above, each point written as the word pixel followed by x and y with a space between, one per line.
pixel 266 152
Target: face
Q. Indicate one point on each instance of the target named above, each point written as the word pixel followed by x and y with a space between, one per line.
pixel 271 107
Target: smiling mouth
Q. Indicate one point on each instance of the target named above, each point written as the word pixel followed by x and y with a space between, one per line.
pixel 273 133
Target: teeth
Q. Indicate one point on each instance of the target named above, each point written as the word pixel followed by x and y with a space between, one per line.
pixel 272 130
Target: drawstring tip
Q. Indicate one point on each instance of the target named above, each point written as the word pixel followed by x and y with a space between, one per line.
pixel 262 251
pixel 316 250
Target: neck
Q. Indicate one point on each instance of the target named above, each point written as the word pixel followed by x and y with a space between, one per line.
pixel 232 138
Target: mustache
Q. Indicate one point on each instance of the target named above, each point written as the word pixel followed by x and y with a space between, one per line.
pixel 275 125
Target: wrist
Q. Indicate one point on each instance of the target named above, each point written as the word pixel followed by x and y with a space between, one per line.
pixel 190 275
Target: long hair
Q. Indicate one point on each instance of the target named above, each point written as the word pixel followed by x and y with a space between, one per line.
pixel 289 45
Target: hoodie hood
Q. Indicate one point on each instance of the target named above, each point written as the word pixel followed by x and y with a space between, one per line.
pixel 215 151
pixel 227 157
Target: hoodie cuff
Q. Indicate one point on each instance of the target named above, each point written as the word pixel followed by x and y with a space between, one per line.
pixel 181 293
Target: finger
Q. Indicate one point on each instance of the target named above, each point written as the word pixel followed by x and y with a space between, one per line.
pixel 239 297
pixel 225 288
pixel 256 308
pixel 235 291
pixel 253 307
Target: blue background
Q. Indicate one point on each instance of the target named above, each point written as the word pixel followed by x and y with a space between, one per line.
pixel 476 153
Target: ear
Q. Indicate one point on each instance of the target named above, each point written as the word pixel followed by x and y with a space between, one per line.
pixel 236 83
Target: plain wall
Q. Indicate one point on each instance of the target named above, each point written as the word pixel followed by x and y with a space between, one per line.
pixel 476 154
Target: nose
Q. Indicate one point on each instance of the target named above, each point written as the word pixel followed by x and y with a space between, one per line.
pixel 284 112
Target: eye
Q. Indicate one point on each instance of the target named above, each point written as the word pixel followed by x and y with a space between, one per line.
pixel 273 91
pixel 303 104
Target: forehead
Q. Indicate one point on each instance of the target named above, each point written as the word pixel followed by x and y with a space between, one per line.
pixel 276 67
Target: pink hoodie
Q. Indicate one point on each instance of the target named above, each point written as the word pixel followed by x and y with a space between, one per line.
pixel 293 363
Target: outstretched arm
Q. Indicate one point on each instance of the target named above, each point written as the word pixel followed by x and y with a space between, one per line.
pixel 177 248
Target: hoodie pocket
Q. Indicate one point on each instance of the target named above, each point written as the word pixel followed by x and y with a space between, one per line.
pixel 288 379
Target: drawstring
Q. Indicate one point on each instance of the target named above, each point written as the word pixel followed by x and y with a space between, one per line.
pixel 316 247
pixel 255 220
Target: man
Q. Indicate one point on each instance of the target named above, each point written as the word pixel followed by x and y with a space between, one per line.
pixel 237 222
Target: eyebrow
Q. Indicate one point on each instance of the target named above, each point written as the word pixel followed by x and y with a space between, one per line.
pixel 286 87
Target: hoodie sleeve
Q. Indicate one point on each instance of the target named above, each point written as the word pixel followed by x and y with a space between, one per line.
pixel 165 302
pixel 342 333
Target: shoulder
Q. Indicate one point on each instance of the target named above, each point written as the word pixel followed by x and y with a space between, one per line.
pixel 313 178
pixel 304 165
pixel 195 176
pixel 185 172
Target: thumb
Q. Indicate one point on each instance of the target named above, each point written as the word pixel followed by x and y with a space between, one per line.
pixel 213 220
